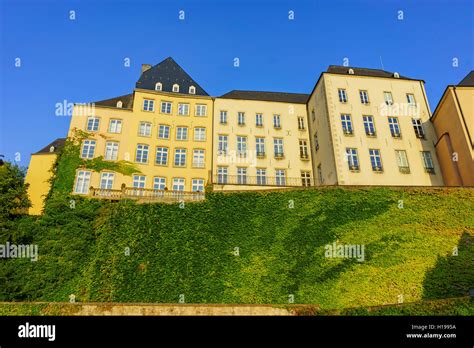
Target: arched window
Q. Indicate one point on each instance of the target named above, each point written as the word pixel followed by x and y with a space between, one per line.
pixel 176 88
pixel 351 71
pixel 396 75
pixel 158 86
pixel 119 104
pixel 51 149
pixel 192 90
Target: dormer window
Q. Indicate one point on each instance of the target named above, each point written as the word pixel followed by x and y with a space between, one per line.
pixel 158 86
pixel 351 71
pixel 176 88
pixel 192 90
pixel 119 104
pixel 396 75
pixel 51 149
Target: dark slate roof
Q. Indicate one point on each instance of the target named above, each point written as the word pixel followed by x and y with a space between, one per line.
pixel 338 69
pixel 168 72
pixel 127 101
pixel 297 98
pixel 468 80
pixel 58 143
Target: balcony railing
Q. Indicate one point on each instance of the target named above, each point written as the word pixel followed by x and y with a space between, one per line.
pixel 261 181
pixel 147 195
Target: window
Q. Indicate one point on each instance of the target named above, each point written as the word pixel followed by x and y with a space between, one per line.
pixel 259 120
pixel 201 110
pixel 144 129
pixel 222 175
pixel 161 156
pixel 222 145
pixel 301 123
pixel 276 121
pixel 280 177
pixel 176 88
pixel 369 125
pixel 139 181
pixel 163 131
pixel 304 149
pixel 411 99
pixel 241 118
pixel 166 107
pixel 88 148
pixel 387 96
pixel 158 86
pixel 402 161
pixel 278 147
pixel 364 97
pixel 352 159
pixel 241 175
pixel 141 155
pixel 192 90
pixel 115 126
pixel 119 104
pixel 394 127
pixel 111 150
pixel 320 175
pixel 181 133
pixel 306 177
pixel 180 157
pixel 261 176
pixel 107 180
pixel 93 124
pixel 148 105
pixel 427 162
pixel 375 160
pixel 183 109
pixel 316 141
pixel 178 184
pixel 260 146
pixel 199 134
pixel 82 182
pixel 197 185
pixel 418 127
pixel 346 124
pixel 342 95
pixel 241 146
pixel 313 115
pixel 198 158
pixel 223 117
pixel 159 183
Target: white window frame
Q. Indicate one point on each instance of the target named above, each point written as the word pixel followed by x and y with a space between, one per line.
pixel 241 118
pixel 242 175
pixel 107 180
pixel 369 125
pixel 115 126
pixel 200 134
pixel 176 88
pixel 376 160
pixel 179 159
pixel 394 127
pixel 199 158
pixel 201 110
pixel 280 177
pixel 161 155
pixel 163 129
pixel 222 175
pixel 166 107
pixel 197 185
pixel 276 121
pixel 182 133
pixel 159 183
pixel 141 153
pixel 261 176
pixel 242 145
pixel 144 129
pixel 83 179
pixel 148 105
pixel 183 109
pixel 222 144
pixel 346 123
pixel 223 117
pixel 88 148
pixel 111 150
pixel 364 96
pixel 93 124
pixel 388 98
pixel 179 184
pixel 259 120
pixel 260 146
pixel 342 95
pixel 301 125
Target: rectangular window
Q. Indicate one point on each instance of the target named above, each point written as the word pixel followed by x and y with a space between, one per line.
pixel 166 107
pixel 222 175
pixel 342 95
pixel 198 158
pixel 387 96
pixel 260 146
pixel 259 120
pixel 411 99
pixel 402 161
pixel 427 162
pixel 241 146
pixel 161 156
pixel 183 109
pixel 418 127
pixel 197 185
pixel 199 134
pixel 148 105
pixel 320 175
pixel 222 145
pixel 369 125
pixel 306 177
pixel 178 184
pixel 223 117
pixel 88 149
pixel 93 124
pixel 375 160
pixel 278 147
pixel 111 150
pixel 352 159
pixel 201 110
pixel 181 133
pixel 144 129
pixel 115 126
pixel 301 123
pixel 280 177
pixel 276 121
pixel 364 97
pixel 241 118
pixel 159 183
pixel 261 176
pixel 107 180
pixel 304 149
pixel 141 155
pixel 82 182
pixel 346 122
pixel 394 127
pixel 316 141
pixel 180 157
pixel 139 181
pixel 164 132
pixel 241 175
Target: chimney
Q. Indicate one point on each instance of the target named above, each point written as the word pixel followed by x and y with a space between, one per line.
pixel 146 67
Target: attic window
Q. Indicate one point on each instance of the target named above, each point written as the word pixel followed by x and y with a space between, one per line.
pixel 119 104
pixel 192 90
pixel 396 75
pixel 158 86
pixel 176 88
pixel 351 71
pixel 51 149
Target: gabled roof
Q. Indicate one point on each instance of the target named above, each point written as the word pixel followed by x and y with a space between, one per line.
pixel 297 98
pixel 467 81
pixel 127 101
pixel 168 72
pixel 338 69
pixel 57 144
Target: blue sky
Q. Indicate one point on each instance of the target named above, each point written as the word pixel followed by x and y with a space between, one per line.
pixel 82 60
